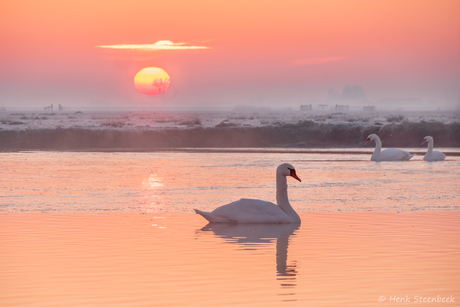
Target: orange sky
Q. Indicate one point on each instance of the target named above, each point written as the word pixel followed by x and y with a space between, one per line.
pixel 260 53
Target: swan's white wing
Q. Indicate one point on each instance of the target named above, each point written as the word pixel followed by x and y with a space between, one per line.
pixel 252 211
pixel 435 156
pixel 394 154
pixel 438 155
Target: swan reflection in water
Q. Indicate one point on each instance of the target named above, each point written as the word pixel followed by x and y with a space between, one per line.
pixel 247 234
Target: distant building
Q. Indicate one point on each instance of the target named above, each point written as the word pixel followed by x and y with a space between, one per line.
pixel 349 92
pixel 305 107
pixel 341 107
pixel 353 92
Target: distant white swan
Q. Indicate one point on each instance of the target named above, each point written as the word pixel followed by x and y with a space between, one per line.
pixel 259 211
pixel 432 155
pixel 389 154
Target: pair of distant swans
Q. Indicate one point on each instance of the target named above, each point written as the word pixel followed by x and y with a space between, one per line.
pixel 395 154
pixel 257 211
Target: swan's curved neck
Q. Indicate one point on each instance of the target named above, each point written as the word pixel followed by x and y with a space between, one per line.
pixel 378 146
pixel 282 199
pixel 430 146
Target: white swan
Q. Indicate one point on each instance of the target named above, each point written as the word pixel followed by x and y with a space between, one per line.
pixel 259 211
pixel 432 155
pixel 389 154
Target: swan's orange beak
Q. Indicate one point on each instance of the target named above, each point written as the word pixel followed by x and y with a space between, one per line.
pixel 424 141
pixel 294 175
pixel 368 141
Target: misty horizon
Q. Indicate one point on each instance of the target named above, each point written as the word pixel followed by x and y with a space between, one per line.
pixel 77 55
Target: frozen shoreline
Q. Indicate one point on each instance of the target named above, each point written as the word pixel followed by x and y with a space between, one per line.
pixel 157 120
pixel 236 129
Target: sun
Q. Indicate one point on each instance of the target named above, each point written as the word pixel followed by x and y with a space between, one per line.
pixel 152 81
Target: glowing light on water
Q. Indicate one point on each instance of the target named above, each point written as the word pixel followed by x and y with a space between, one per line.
pixel 153 182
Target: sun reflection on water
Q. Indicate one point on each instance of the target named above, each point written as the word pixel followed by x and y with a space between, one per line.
pixel 153 194
pixel 153 182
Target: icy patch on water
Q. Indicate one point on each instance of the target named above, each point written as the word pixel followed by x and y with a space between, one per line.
pixel 178 182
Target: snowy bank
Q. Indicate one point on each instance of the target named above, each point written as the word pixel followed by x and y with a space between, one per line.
pixel 154 130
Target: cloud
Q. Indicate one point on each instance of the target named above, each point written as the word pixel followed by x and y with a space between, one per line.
pixel 158 46
pixel 314 61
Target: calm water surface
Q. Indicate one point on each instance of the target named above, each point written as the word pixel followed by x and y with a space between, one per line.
pixel 371 233
pixel 332 259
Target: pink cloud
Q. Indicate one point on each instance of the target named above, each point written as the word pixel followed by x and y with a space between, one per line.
pixel 160 45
